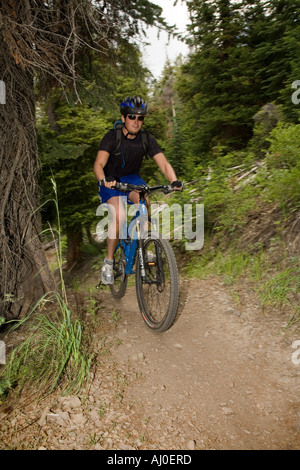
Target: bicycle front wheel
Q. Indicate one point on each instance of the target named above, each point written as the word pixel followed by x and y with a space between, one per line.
pixel 158 293
pixel 118 289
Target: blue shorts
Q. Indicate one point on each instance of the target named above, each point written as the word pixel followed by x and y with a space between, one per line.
pixel 107 193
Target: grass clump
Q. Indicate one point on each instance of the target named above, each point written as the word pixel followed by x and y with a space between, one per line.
pixel 276 285
pixel 52 354
pixel 55 351
pixel 231 265
pixel 282 290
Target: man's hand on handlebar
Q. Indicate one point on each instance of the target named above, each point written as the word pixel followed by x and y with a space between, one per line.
pixel 108 181
pixel 177 185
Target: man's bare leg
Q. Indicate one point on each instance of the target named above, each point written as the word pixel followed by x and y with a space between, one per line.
pixel 118 213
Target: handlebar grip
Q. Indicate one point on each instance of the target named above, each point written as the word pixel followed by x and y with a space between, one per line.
pixel 127 187
pixel 123 187
pixel 104 180
pixel 167 189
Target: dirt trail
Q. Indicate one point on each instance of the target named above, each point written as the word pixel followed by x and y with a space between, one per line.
pixel 221 378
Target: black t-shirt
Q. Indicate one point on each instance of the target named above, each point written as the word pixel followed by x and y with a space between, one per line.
pixel 133 153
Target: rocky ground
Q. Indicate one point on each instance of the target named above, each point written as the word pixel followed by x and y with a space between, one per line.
pixel 223 377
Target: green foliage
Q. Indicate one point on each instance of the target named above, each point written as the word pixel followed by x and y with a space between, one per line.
pixel 69 131
pixel 266 119
pixel 284 188
pixel 69 134
pixel 166 112
pixel 231 203
pixel 283 160
pixel 276 286
pixel 54 352
pixel 216 116
pixel 215 81
pixel 281 288
pixel 232 191
pixel 284 147
pixel 68 153
pixel 245 55
pixel 232 265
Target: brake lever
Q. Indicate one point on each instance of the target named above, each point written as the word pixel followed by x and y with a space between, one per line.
pixel 120 187
pixel 167 189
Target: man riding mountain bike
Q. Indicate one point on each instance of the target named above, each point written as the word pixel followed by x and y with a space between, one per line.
pixel 122 162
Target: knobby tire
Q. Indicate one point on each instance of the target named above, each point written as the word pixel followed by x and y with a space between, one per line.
pixel 118 289
pixel 158 299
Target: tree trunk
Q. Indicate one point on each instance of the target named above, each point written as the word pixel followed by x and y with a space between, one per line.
pixel 74 240
pixel 24 275
pixel 92 240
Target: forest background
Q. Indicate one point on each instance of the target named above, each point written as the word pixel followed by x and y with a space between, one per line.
pixel 226 116
pixel 213 112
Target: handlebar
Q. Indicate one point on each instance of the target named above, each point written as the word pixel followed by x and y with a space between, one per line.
pixel 145 189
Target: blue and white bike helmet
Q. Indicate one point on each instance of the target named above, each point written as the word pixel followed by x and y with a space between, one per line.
pixel 133 105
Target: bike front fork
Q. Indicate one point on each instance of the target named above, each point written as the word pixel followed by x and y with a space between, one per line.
pixel 140 258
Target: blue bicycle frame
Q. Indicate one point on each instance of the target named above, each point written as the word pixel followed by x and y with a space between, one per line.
pixel 156 273
pixel 132 236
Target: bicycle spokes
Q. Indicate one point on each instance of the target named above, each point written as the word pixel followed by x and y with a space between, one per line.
pixel 120 278
pixel 158 292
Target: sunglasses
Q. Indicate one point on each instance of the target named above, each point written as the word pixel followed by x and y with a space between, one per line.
pixel 132 117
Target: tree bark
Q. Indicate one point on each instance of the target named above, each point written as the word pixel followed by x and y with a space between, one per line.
pixel 24 275
pixel 49 38
pixel 74 240
pixel 92 240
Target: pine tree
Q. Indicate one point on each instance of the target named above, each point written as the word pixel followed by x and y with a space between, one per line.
pixel 69 136
pixel 217 90
pixel 45 43
pixel 245 56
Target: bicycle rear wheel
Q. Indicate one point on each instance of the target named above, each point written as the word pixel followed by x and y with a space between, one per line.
pixel 118 289
pixel 158 295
